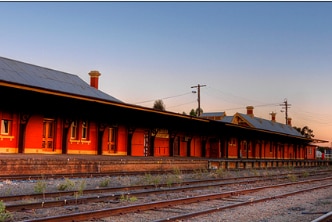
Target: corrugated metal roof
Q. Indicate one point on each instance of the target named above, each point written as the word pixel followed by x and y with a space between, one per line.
pixel 35 76
pixel 264 124
pixel 212 114
pixel 227 119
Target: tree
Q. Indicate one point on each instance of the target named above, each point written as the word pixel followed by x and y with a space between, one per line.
pixel 305 131
pixel 192 112
pixel 159 105
pixel 201 111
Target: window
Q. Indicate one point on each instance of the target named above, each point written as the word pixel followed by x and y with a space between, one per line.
pixel 73 130
pixel 5 127
pixel 112 139
pixel 85 130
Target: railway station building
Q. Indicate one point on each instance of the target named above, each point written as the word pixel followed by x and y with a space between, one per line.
pixel 46 111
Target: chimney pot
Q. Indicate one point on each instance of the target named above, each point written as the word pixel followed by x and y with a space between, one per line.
pixel 273 115
pixel 289 121
pixel 250 111
pixel 94 78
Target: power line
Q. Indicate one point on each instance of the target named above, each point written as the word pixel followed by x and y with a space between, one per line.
pixel 243 107
pixel 169 97
pixel 182 104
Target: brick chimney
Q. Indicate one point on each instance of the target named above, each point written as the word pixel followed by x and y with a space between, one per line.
pixel 94 77
pixel 273 116
pixel 250 111
pixel 289 121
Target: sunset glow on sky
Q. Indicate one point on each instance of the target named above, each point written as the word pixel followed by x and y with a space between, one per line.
pixel 246 53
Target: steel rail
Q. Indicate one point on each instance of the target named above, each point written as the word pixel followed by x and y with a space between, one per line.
pixel 161 204
pixel 324 218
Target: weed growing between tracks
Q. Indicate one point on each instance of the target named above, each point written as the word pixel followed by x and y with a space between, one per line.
pixel 66 185
pixel 105 182
pixel 40 187
pixel 4 215
pixel 126 198
pixel 292 177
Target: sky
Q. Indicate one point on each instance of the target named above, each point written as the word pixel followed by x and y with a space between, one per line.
pixel 246 53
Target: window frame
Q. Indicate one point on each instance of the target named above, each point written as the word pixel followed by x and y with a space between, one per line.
pixel 6 128
pixel 73 130
pixel 85 130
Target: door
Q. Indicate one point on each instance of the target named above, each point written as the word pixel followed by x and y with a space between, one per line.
pixel 48 134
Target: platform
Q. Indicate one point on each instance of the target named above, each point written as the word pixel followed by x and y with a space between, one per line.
pixel 44 164
pixel 37 164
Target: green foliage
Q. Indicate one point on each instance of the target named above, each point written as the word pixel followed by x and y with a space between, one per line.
pixel 290 168
pixel 40 186
pixel 66 185
pixel 305 131
pixel 126 198
pixel 152 179
pixel 173 179
pixel 200 173
pixel 255 172
pixel 81 187
pixel 105 182
pixel 219 172
pixel 159 105
pixel 192 112
pixel 305 174
pixel 4 215
pixel 292 177
pixel 156 180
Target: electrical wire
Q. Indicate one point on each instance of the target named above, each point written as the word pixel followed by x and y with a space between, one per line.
pixel 169 97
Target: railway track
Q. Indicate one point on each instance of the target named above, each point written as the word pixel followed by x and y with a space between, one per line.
pixel 115 193
pixel 191 184
pixel 143 191
pixel 164 206
pixel 82 175
pixel 112 174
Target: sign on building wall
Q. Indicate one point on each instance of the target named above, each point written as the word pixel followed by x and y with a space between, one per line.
pixel 162 133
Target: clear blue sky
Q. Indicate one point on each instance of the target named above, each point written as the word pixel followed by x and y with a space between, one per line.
pixel 246 53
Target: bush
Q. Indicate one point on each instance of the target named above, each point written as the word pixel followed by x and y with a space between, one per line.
pixel 4 215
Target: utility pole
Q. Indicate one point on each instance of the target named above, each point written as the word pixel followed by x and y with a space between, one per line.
pixel 285 106
pixel 198 97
